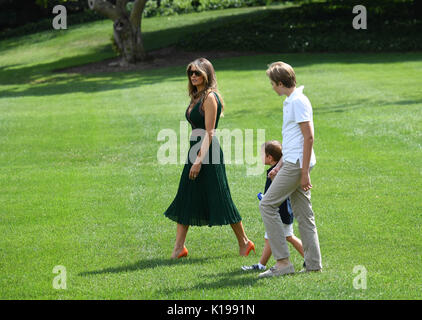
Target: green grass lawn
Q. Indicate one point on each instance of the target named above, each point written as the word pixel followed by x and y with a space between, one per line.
pixel 81 187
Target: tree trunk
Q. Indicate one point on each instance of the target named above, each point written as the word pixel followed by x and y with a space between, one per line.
pixel 126 26
pixel 129 41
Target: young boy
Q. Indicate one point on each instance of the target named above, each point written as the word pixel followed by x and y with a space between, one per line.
pixel 291 177
pixel 271 155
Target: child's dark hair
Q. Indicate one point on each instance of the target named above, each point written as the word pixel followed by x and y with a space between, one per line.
pixel 273 148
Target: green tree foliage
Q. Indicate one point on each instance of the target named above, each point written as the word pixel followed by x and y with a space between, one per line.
pixel 71 5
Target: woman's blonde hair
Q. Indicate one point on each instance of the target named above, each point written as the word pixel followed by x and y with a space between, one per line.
pixel 210 80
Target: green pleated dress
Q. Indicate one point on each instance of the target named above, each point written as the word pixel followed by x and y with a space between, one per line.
pixel 207 199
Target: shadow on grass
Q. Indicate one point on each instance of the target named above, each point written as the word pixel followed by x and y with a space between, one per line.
pixel 56 84
pixel 147 264
pixel 363 103
pixel 33 75
pixel 237 278
pixel 152 40
pixel 324 109
pixel 12 74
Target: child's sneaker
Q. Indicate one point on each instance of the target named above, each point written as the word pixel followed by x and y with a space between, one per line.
pixel 304 268
pixel 253 267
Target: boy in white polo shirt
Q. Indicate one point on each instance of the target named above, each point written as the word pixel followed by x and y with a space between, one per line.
pixel 291 175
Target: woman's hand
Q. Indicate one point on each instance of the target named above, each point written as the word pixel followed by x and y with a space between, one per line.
pixel 305 181
pixel 194 171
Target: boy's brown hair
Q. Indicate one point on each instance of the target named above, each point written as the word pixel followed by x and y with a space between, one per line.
pixel 273 149
pixel 282 72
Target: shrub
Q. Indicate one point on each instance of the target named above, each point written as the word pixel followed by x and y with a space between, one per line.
pixel 169 7
pixel 78 12
pixel 316 27
pixel 46 24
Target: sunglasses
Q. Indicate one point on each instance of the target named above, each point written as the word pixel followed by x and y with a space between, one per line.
pixel 196 73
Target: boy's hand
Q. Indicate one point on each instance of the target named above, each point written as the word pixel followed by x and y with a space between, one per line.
pixel 273 173
pixel 305 181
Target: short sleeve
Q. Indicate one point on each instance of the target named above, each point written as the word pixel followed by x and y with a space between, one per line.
pixel 302 110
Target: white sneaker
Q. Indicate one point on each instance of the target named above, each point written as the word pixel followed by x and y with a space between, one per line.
pixel 253 267
pixel 274 272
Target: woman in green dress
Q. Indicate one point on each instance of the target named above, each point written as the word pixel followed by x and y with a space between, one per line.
pixel 203 196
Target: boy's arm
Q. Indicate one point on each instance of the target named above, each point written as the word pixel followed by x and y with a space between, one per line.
pixel 275 170
pixel 279 163
pixel 308 142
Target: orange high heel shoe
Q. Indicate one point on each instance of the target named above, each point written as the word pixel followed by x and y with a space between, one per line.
pixel 183 253
pixel 251 246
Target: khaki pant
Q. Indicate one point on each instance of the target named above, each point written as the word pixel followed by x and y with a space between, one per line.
pixel 287 183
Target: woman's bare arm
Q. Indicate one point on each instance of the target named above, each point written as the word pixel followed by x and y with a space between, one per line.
pixel 210 110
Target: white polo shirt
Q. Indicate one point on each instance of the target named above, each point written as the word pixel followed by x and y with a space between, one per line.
pixel 296 109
